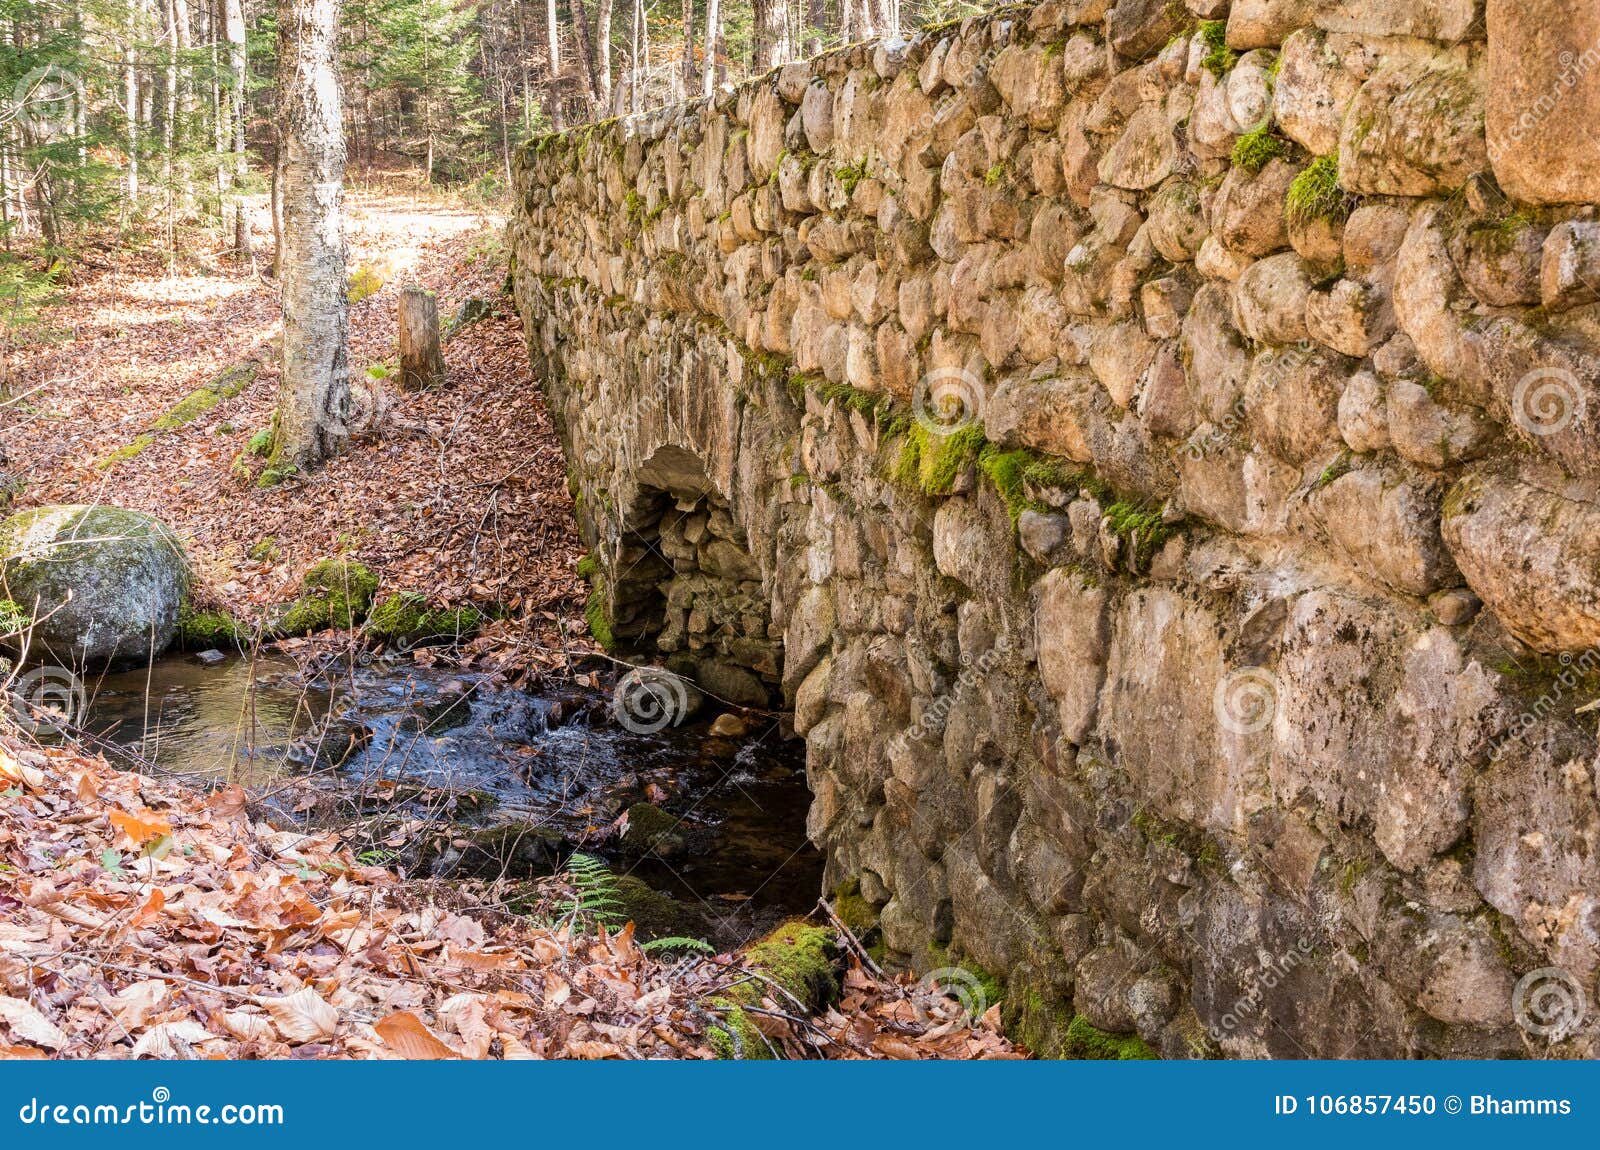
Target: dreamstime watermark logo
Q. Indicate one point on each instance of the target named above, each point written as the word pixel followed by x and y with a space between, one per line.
pixel 1246 700
pixel 48 101
pixel 1546 401
pixel 46 700
pixel 1549 1003
pixel 1574 670
pixel 933 716
pixel 1574 67
pixel 1271 974
pixel 1274 368
pixel 962 985
pixel 947 400
pixel 650 699
pixel 1249 97
pixel 159 1110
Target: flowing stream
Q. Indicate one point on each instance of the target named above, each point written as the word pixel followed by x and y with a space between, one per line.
pixel 440 773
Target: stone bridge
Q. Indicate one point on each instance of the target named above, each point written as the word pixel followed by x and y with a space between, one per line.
pixel 1151 451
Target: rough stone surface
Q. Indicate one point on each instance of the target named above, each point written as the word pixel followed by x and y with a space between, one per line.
pixel 1228 629
pixel 103 585
pixel 1544 96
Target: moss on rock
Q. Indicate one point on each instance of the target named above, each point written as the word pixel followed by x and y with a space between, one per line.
pixel 406 617
pixel 338 593
pixel 124 453
pixel 797 960
pixel 652 829
pixel 108 582
pixel 1255 150
pixel 598 618
pixel 205 630
pixel 1084 1041
pixel 1315 194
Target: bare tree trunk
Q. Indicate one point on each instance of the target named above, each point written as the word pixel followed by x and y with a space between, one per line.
pixel 688 47
pixel 314 392
pixel 277 204
pixel 635 99
pixel 770 45
pixel 580 29
pixel 553 43
pixel 131 88
pixel 713 38
pixel 234 31
pixel 602 51
pixel 817 18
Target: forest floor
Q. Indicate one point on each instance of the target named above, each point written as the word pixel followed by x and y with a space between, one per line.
pixel 139 919
pixel 457 492
pixel 142 918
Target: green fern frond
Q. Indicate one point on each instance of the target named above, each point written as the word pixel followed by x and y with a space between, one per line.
pixel 689 945
pixel 595 887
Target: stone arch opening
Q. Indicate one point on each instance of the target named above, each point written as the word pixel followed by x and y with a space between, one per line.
pixel 686 591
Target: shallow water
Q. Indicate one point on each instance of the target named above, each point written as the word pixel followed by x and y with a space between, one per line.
pixel 555 763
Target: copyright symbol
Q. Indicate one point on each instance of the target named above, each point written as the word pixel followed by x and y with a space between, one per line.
pixel 1452 1105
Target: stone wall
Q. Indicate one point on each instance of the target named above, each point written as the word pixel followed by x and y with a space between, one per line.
pixel 1152 450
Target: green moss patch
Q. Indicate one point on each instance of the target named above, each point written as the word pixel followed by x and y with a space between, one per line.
pixel 206 630
pixel 1085 1042
pixel 1142 530
pixel 407 617
pixel 1013 472
pixel 124 453
pixel 934 462
pixel 1219 58
pixel 227 385
pixel 1255 150
pixel 1315 194
pixel 598 616
pixel 337 593
pixel 797 961
pixel 188 409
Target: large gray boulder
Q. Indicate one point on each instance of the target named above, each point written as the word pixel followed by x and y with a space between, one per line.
pixel 104 585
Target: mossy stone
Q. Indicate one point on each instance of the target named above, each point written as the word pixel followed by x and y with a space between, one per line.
pixel 406 618
pixel 797 960
pixel 209 630
pixel 338 593
pixel 103 584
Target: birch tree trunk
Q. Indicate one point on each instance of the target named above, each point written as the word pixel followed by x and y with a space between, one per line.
pixel 636 84
pixel 314 392
pixel 602 50
pixel 234 31
pixel 553 43
pixel 713 36
pixel 130 81
pixel 770 46
pixel 688 47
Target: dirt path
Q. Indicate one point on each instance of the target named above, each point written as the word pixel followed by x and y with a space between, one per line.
pixel 470 506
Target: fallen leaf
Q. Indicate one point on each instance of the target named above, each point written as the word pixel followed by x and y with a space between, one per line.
pixel 29 1025
pixel 405 1034
pixel 140 828
pixel 171 1040
pixel 133 1005
pixel 302 1016
pixel 247 1027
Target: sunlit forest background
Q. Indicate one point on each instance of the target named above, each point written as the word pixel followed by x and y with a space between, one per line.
pixel 151 122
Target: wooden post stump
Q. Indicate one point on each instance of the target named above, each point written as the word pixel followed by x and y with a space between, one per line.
pixel 421 360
